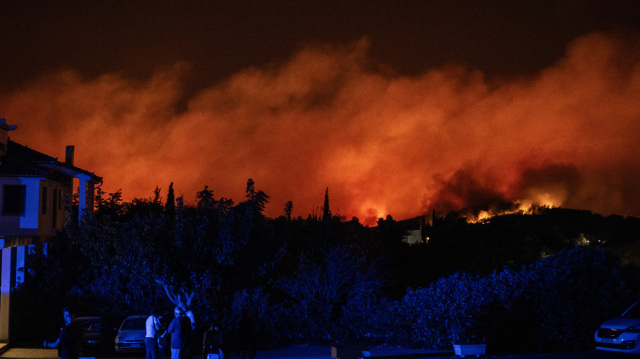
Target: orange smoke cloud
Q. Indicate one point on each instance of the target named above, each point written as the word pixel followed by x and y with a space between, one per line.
pixel 382 143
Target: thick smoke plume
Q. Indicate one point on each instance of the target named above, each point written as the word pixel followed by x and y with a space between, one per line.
pixel 382 143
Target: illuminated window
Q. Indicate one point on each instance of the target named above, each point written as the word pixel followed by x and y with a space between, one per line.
pixel 14 198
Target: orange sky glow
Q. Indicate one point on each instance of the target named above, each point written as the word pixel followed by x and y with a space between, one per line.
pixel 329 117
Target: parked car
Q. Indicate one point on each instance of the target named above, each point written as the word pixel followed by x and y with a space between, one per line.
pixel 96 337
pixel 130 337
pixel 621 335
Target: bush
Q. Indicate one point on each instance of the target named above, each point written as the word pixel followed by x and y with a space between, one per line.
pixel 554 304
pixel 365 320
pixel 321 290
pixel 573 292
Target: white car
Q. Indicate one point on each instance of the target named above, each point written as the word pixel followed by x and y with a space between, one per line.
pixel 621 335
pixel 130 337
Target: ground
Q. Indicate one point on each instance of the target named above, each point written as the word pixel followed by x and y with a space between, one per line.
pixel 321 352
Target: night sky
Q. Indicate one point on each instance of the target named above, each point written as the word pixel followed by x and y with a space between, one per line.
pixel 398 107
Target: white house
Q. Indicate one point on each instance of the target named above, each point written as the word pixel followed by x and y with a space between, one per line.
pixel 35 191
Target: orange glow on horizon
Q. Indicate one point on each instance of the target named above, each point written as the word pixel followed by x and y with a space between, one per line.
pixel 383 144
pixel 373 213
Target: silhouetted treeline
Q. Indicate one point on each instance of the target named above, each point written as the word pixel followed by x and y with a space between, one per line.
pixel 325 279
pixel 515 240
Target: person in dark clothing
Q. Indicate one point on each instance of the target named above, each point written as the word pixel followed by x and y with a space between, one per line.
pixel 180 329
pixel 162 340
pixel 70 338
pixel 212 342
pixel 247 336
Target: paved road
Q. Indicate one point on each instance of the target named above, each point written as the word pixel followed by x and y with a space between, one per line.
pixel 592 354
pixel 316 353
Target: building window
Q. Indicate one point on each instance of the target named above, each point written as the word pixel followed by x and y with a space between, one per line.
pixel 44 200
pixel 14 198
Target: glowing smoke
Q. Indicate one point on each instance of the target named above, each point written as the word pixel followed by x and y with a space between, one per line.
pixel 382 144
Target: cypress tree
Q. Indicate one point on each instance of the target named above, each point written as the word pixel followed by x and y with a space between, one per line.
pixel 170 206
pixel 326 213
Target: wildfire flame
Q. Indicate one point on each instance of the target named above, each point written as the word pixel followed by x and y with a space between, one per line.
pixel 485 216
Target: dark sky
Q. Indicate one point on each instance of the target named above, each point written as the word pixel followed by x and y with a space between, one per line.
pixel 219 38
pixel 396 106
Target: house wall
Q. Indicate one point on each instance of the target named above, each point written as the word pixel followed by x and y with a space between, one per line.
pixel 413 236
pixel 4 138
pixel 53 217
pixel 25 224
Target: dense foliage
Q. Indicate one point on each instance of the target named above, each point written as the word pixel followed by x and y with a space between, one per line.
pixel 540 281
pixel 555 303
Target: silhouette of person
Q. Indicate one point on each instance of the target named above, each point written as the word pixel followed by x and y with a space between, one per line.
pixel 162 341
pixel 212 342
pixel 247 336
pixel 70 338
pixel 188 351
pixel 189 314
pixel 152 334
pixel 180 329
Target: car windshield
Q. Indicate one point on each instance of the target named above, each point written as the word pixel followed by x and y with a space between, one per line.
pixel 90 326
pixel 633 312
pixel 134 324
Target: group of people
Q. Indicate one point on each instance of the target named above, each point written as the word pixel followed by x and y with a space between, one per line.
pixel 180 329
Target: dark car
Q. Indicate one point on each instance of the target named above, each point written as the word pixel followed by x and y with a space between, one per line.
pixel 97 335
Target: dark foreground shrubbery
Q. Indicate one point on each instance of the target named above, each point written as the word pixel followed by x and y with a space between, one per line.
pixel 554 304
pixel 330 281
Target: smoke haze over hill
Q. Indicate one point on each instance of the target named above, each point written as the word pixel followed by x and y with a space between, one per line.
pixel 383 143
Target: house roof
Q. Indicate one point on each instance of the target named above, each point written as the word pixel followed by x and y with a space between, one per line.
pixel 22 161
pixel 14 167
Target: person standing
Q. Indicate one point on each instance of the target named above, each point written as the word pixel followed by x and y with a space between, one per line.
pixel 187 351
pixel 152 334
pixel 212 342
pixel 189 314
pixel 247 336
pixel 70 337
pixel 180 329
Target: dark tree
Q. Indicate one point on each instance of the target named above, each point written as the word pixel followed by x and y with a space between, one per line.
pixel 205 198
pixel 288 208
pixel 223 205
pixel 98 199
pixel 326 213
pixel 156 195
pixel 257 200
pixel 170 206
pixel 112 206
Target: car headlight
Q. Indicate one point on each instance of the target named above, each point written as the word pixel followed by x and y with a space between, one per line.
pixel 633 329
pixel 119 339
